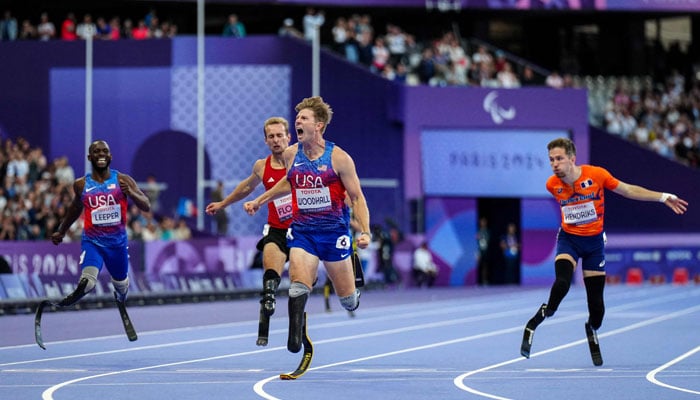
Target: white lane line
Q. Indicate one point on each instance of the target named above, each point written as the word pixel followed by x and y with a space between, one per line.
pixel 259 386
pixel 387 312
pixel 245 335
pixel 459 380
pixel 48 394
pixel 651 376
pixel 443 307
pixel 124 350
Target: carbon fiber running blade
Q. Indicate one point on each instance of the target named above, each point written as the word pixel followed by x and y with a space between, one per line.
pixel 305 359
pixel 37 323
pixel 128 326
pixel 357 268
pixel 263 329
pixel 526 345
pixel 594 346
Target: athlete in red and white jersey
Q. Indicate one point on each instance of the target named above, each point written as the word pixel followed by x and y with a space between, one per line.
pixel 580 192
pixel 269 171
pixel 279 212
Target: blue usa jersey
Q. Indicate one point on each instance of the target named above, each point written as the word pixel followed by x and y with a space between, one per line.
pixel 105 209
pixel 318 194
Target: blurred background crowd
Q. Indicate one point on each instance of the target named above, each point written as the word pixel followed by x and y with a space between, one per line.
pixel 655 105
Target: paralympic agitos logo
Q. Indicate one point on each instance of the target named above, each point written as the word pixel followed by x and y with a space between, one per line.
pixel 498 113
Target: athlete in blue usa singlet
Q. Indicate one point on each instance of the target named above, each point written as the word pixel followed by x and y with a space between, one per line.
pixel 105 211
pixel 104 235
pixel 321 218
pixel 321 178
pixel 102 198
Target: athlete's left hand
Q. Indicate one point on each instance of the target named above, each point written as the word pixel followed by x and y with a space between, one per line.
pixel 124 185
pixel 363 240
pixel 678 205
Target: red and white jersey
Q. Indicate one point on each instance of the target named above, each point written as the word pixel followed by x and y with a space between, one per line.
pixel 279 212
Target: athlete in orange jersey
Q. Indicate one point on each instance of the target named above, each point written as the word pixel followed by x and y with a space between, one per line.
pixel 582 201
pixel 580 192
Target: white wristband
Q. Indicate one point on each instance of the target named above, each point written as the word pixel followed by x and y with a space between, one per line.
pixel 666 196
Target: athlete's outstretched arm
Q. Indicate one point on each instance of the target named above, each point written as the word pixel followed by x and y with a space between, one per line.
pixel 280 189
pixel 241 191
pixel 635 192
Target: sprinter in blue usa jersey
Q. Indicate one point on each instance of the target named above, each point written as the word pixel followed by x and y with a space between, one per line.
pixel 319 176
pixel 102 197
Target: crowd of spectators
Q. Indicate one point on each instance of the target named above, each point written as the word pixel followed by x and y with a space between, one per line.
pixel 661 116
pixel 399 56
pixel 44 28
pixel 35 194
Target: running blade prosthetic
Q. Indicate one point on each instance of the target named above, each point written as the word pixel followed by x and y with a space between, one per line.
pixel 305 358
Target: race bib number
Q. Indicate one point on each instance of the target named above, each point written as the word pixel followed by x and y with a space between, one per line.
pixel 283 205
pixel 343 242
pixel 315 199
pixel 106 215
pixel 579 213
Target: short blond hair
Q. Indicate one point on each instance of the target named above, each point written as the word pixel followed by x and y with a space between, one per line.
pixel 322 110
pixel 276 120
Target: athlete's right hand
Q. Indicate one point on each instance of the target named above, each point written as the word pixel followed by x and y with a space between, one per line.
pixel 212 208
pixel 57 237
pixel 251 207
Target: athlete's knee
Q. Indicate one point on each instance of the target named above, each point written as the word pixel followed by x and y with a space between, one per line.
pixel 88 280
pixel 298 294
pixel 297 289
pixel 271 275
pixel 90 273
pixel 564 272
pixel 351 302
pixel 121 287
pixel 271 281
pixel 596 304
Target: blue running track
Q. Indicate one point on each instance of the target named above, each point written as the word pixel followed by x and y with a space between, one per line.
pixel 440 343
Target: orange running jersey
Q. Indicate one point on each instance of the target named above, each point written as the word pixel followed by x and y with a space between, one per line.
pixel 583 204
